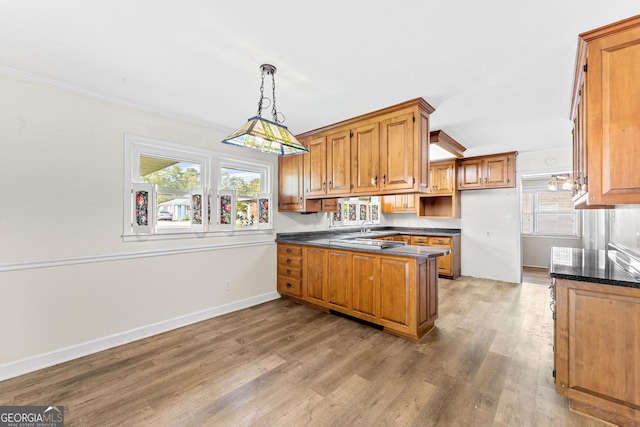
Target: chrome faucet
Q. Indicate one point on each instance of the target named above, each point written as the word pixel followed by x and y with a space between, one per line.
pixel 364 230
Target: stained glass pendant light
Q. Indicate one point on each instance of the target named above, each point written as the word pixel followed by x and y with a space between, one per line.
pixel 266 135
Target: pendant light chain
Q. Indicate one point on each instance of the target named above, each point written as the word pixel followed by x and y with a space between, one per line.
pixel 274 112
pixel 261 94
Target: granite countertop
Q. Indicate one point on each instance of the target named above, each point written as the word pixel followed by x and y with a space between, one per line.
pixel 338 239
pixel 586 265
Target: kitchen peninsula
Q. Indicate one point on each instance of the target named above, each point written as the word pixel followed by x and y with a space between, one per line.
pixel 372 275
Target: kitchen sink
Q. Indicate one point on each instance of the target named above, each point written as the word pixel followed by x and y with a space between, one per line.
pixel 362 243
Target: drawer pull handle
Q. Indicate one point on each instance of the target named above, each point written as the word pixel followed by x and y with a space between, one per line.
pixel 288 261
pixel 288 271
pixel 288 250
pixel 288 285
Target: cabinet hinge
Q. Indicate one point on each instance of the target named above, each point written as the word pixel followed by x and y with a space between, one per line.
pixel 351 135
pixel 586 180
pixel 414 119
pixel 584 68
pixel 554 316
pixel 554 373
pixel 414 180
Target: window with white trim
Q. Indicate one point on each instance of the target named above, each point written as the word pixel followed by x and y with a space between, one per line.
pixel 174 189
pixel 549 213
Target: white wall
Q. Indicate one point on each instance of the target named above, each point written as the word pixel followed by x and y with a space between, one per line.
pixel 69 283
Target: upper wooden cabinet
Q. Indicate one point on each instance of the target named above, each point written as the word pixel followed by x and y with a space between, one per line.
pixel 399 203
pixel 383 152
pixel 494 171
pixel 605 108
pixel 442 177
pixel 291 189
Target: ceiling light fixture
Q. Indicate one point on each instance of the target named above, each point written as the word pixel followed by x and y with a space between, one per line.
pixel 266 135
pixel 560 182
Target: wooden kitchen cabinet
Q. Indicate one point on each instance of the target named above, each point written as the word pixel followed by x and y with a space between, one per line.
pixel 399 203
pixel 444 199
pixel 449 266
pixel 314 262
pixel 291 196
pixel 597 357
pixel 398 293
pixel 388 153
pixel 605 108
pixel 493 171
pixel 290 270
pixel 442 177
pixel 365 284
pixel 365 158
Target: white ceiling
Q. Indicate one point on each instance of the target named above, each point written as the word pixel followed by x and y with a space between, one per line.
pixel 498 72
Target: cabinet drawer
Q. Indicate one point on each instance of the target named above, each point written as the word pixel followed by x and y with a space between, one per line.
pixel 287 271
pixel 290 251
pixel 439 241
pixel 419 240
pixel 290 261
pixel 290 286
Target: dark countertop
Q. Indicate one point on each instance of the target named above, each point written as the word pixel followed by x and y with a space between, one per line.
pixel 586 265
pixel 328 239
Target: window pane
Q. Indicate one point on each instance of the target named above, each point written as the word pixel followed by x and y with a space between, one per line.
pixel 527 214
pixel 556 224
pixel 247 185
pixel 174 179
pixel 554 201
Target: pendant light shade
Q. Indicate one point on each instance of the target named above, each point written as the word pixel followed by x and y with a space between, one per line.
pixel 265 135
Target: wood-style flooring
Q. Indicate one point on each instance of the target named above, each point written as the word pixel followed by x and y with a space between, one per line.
pixel 488 362
pixel 536 275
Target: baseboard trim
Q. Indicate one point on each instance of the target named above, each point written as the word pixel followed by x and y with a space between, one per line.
pixel 24 366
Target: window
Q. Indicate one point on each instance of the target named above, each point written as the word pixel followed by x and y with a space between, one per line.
pixel 549 213
pixel 175 189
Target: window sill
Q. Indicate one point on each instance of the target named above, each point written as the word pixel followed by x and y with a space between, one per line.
pixel 179 235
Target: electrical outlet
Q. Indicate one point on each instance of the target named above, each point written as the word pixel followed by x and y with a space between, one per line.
pixel 227 285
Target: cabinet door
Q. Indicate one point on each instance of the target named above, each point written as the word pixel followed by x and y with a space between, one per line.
pixel 398 153
pixel 497 171
pixel 613 108
pixel 580 163
pixel 395 303
pixel 314 278
pixel 315 167
pixel 290 181
pixel 365 285
pixel 338 272
pixel 339 163
pixel 442 179
pixel 365 159
pixel 470 174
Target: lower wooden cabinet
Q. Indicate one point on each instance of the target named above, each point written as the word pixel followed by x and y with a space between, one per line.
pixel 448 265
pixel 398 293
pixel 290 270
pixel 597 355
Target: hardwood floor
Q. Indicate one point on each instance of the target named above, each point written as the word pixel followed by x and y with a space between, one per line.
pixel 537 275
pixel 488 362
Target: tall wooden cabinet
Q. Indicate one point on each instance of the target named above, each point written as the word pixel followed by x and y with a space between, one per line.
pixel 605 108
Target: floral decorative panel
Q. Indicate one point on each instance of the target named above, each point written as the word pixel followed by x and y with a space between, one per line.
pixel 263 211
pixel 142 207
pixel 375 212
pixel 196 209
pixel 225 209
